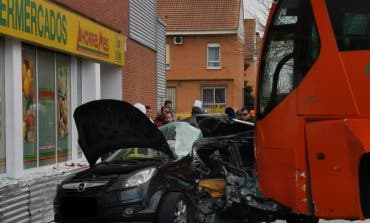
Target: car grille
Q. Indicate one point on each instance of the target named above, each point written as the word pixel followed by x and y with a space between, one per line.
pixel 75 207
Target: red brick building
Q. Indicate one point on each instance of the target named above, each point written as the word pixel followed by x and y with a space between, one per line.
pixel 139 73
pixel 204 53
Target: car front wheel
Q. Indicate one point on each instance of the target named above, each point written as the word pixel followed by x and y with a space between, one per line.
pixel 175 208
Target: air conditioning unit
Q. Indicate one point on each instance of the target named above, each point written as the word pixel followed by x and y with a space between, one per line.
pixel 177 40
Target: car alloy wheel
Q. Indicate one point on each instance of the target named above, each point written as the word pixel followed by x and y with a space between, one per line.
pixel 175 208
pixel 181 212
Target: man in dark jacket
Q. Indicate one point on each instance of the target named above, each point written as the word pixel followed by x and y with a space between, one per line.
pixel 192 119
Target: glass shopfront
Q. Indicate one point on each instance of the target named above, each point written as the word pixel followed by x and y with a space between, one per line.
pixel 79 93
pixel 45 77
pixel 2 108
pixel 46 81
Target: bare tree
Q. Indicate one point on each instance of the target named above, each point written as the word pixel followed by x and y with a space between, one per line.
pixel 259 10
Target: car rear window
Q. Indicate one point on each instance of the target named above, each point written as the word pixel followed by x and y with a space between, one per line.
pixel 351 23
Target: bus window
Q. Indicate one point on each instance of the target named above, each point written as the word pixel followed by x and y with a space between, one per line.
pixel 277 49
pixel 286 14
pixel 292 45
pixel 351 23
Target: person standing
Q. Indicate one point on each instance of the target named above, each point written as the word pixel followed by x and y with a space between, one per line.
pixel 245 115
pixel 149 112
pixel 230 112
pixel 141 107
pixel 168 118
pixel 192 120
pixel 160 119
pixel 237 113
pixel 168 104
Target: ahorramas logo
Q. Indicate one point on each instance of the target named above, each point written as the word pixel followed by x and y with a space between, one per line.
pixel 92 42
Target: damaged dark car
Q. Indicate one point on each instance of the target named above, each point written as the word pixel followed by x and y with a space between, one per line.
pixel 177 173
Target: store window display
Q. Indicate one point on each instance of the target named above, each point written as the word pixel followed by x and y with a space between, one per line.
pixel 29 106
pixel 63 107
pixel 2 109
pixel 79 93
pixel 46 112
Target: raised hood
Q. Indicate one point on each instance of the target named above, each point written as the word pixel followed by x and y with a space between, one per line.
pixel 107 125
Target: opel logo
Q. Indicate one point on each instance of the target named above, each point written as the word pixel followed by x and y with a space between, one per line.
pixel 81 187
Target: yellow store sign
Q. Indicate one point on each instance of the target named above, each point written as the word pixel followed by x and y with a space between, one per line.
pixel 48 24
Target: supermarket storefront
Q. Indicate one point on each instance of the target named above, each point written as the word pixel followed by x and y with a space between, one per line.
pixel 51 60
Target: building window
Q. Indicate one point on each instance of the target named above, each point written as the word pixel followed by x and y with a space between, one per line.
pixel 171 95
pixel 168 61
pixel 214 96
pixel 2 109
pixel 46 77
pixel 213 56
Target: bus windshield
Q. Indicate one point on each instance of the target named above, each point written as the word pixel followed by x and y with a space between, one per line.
pixel 351 23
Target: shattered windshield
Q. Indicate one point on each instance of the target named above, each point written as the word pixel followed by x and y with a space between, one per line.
pixel 181 137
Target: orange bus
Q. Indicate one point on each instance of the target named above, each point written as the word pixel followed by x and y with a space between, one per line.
pixel 313 109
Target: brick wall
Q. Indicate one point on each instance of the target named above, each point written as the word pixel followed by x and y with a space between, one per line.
pixel 102 11
pixel 188 69
pixel 139 76
pixel 250 36
pixel 251 49
pixel 250 75
pixel 139 71
pixel 189 60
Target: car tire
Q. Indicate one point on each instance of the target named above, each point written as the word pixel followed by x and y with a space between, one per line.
pixel 175 208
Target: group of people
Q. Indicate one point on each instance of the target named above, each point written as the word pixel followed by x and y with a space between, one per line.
pixel 242 114
pixel 167 114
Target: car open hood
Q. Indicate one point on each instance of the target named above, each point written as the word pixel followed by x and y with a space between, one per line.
pixel 106 125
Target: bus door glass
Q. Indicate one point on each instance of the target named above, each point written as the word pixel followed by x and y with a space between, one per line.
pixel 291 46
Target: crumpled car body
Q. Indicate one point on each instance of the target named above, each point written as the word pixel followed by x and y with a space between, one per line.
pixel 177 173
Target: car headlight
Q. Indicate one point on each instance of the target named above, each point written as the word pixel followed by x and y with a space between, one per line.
pixel 134 179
